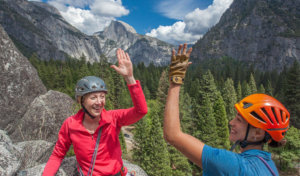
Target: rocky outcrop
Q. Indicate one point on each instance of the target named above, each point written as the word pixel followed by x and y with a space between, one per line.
pixel 28 158
pixel 19 86
pixel 9 156
pixel 44 117
pixel 265 33
pixel 37 27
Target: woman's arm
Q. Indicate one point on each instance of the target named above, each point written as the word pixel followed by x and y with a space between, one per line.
pixel 186 144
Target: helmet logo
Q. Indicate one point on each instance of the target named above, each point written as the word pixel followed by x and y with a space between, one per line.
pixel 247 105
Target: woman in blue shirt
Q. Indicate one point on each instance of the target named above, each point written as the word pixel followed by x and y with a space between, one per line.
pixel 260 119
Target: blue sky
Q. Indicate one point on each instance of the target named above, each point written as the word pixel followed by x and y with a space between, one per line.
pixel 173 21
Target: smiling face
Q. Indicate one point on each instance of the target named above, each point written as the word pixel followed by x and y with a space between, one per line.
pixel 238 128
pixel 94 103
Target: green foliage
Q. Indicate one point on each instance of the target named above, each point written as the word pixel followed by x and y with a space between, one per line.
pixel 289 155
pixel 292 93
pixel 222 140
pixel 230 97
pixel 148 136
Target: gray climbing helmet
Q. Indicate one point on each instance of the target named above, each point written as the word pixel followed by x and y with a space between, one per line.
pixel 89 84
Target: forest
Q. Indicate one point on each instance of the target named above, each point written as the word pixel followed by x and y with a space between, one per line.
pixel 207 100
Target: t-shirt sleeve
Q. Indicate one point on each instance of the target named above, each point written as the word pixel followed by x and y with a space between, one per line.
pixel 220 162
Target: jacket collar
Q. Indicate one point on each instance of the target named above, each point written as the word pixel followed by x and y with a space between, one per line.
pixel 104 118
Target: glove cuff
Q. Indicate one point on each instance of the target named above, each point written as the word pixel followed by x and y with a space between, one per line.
pixel 177 79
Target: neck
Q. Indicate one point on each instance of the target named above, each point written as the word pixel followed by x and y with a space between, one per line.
pixel 88 119
pixel 249 147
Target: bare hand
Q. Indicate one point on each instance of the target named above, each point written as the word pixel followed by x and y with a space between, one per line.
pixel 124 67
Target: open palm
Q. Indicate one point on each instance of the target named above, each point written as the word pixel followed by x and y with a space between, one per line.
pixel 124 67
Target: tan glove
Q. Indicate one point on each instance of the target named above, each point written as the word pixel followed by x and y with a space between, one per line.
pixel 178 66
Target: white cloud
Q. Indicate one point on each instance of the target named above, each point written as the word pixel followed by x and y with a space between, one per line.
pixel 174 34
pixel 175 9
pixel 90 16
pixel 194 24
pixel 109 8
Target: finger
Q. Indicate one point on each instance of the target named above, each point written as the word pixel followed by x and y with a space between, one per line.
pixel 173 52
pixel 127 56
pixel 118 53
pixel 115 67
pixel 189 52
pixel 123 54
pixel 184 49
pixel 179 50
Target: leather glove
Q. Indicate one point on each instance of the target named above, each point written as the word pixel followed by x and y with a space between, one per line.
pixel 178 67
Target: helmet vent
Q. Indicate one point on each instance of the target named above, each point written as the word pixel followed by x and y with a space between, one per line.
pixel 273 110
pixel 257 116
pixel 266 113
pixel 246 105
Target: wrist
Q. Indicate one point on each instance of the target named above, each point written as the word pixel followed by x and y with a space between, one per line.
pixel 129 79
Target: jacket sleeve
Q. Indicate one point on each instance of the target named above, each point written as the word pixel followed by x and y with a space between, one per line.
pixel 61 147
pixel 139 109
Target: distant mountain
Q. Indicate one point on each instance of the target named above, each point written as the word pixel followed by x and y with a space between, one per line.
pixel 38 27
pixel 265 33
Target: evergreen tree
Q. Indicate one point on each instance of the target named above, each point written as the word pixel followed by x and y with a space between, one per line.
pixel 207 89
pixel 292 93
pixel 179 163
pixel 239 94
pixel 261 89
pixel 185 107
pixel 221 124
pixel 245 89
pixel 269 88
pixel 205 122
pixel 230 98
pixel 252 85
pixel 151 151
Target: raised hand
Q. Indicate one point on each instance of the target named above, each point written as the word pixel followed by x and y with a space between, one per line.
pixel 124 67
pixel 179 64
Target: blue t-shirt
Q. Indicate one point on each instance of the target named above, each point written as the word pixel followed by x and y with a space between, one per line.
pixel 217 162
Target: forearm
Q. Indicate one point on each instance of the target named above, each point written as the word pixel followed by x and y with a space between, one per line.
pixel 171 116
pixel 52 166
pixel 190 146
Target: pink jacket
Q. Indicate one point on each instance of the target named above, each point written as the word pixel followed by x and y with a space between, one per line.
pixel 108 161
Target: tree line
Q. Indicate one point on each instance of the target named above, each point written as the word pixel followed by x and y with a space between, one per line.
pixel 206 105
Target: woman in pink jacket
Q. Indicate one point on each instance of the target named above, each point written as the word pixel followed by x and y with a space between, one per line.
pixel 93 131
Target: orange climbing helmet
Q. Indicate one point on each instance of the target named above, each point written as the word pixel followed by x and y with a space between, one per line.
pixel 265 112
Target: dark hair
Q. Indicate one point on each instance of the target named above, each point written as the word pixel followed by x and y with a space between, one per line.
pixel 275 144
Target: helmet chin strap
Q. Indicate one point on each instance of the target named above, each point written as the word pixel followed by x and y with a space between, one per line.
pixel 85 110
pixel 244 143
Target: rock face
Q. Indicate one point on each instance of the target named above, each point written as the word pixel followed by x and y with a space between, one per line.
pixel 9 156
pixel 19 86
pixel 263 32
pixel 44 117
pixel 38 27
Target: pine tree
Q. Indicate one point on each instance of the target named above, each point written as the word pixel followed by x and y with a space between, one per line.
pixel 207 89
pixel 151 151
pixel 245 89
pixel 230 98
pixel 221 124
pixel 252 85
pixel 205 122
pixel 292 93
pixel 269 88
pixel 261 89
pixel 239 94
